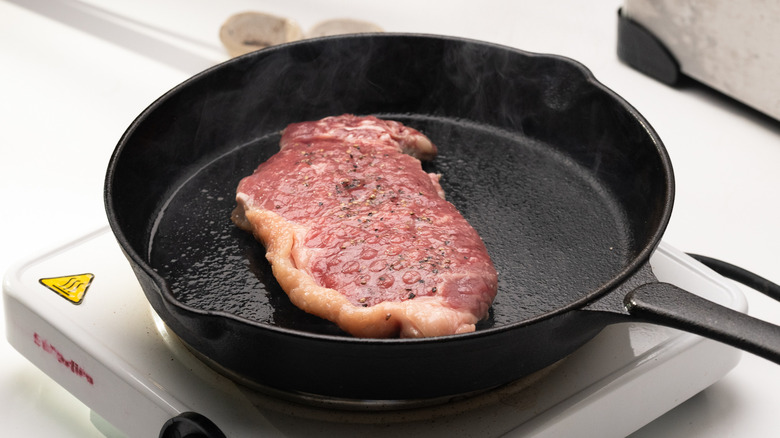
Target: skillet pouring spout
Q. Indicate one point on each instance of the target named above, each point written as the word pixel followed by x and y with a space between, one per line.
pixel 668 305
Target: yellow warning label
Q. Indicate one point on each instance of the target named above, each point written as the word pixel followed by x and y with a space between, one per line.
pixel 70 287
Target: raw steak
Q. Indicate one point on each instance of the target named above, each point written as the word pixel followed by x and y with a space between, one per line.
pixel 357 233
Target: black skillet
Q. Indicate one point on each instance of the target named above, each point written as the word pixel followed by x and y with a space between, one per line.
pixel 570 188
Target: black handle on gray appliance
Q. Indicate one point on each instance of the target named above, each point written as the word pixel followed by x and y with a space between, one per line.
pixel 668 305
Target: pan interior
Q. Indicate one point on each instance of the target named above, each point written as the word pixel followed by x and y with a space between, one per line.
pixel 553 230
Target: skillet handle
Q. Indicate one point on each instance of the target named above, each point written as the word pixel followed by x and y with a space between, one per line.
pixel 668 305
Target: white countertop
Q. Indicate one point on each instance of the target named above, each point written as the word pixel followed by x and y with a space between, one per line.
pixel 76 73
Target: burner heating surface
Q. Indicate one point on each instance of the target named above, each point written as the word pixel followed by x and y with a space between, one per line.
pixel 112 352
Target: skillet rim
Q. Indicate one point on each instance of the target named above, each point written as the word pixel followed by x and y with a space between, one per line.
pixel 590 297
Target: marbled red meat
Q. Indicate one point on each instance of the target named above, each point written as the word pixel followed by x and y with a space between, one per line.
pixel 357 233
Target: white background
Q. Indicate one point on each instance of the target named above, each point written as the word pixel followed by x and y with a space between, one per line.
pixel 75 74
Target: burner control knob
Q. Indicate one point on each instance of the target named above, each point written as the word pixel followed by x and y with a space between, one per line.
pixel 190 425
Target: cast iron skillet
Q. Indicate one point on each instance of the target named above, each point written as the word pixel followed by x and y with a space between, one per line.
pixel 570 188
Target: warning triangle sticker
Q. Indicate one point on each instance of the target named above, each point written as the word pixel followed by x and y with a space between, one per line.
pixel 70 287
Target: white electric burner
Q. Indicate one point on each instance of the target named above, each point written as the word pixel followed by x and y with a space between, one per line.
pixel 79 314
